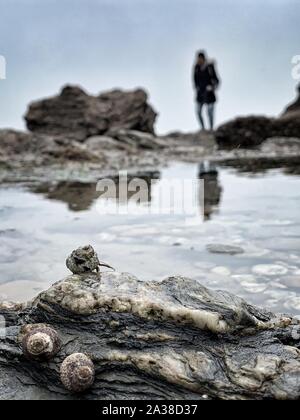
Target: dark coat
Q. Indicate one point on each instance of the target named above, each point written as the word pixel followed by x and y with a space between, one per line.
pixel 203 77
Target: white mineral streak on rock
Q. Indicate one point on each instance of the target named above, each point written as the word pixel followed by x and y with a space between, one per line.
pixel 163 301
pixel 182 369
pixel 254 372
pixel 12 306
pixel 141 303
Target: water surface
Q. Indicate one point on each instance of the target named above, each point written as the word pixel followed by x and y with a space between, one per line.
pixel 41 224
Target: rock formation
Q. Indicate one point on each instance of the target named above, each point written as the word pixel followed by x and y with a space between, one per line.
pixel 244 132
pixel 76 115
pixel 293 110
pixel 43 149
pixel 172 339
pixel 247 132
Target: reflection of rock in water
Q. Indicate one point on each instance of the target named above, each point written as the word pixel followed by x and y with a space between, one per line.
pixel 78 195
pixel 212 189
pixel 81 195
pixel 262 164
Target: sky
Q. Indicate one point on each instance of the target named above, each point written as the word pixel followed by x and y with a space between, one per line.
pixel 103 44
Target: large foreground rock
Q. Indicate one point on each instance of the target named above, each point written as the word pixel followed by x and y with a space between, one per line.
pixel 77 115
pixel 252 131
pixel 173 339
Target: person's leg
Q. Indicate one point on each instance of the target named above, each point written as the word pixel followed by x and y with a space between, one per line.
pixel 211 115
pixel 199 112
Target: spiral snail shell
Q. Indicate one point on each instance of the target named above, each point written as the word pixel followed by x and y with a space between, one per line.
pixel 77 372
pixel 40 342
pixel 84 260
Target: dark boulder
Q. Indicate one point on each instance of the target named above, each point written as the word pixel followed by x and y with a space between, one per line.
pixel 129 110
pixel 252 131
pixel 77 115
pixel 244 132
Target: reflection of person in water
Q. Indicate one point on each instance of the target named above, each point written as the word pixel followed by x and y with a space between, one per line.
pixel 206 81
pixel 212 189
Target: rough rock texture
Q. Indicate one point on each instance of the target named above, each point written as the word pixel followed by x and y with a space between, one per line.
pixel 281 146
pixel 161 340
pixel 77 115
pixel 83 260
pixel 244 132
pixel 137 139
pixel 247 132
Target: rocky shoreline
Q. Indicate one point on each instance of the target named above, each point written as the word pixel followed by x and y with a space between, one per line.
pixel 170 339
pixel 76 136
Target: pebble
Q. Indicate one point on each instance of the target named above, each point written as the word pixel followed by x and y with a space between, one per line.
pixel 224 249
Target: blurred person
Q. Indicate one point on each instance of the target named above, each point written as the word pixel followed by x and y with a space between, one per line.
pixel 206 82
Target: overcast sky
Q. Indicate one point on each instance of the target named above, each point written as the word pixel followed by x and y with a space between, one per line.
pixel 101 44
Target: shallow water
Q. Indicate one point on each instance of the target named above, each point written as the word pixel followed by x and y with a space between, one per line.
pixel 40 225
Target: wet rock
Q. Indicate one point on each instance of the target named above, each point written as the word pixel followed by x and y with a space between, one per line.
pixel 256 162
pixel 244 132
pixel 286 126
pixel 14 142
pixel 105 143
pixel 77 115
pixel 252 131
pixel 137 139
pixel 205 138
pixel 224 249
pixel 129 110
pixel 172 339
pixel 281 145
pixel 42 149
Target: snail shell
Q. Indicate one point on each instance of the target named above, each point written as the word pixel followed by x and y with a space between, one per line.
pixel 40 342
pixel 77 372
pixel 83 260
